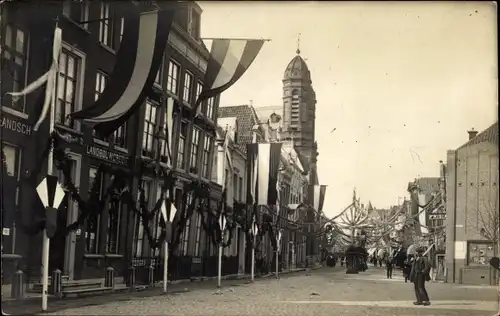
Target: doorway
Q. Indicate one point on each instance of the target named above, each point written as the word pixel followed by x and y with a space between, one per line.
pixel 62 246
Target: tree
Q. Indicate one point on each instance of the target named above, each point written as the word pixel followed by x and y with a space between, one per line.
pixel 488 219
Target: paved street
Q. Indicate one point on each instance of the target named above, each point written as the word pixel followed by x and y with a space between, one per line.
pixel 326 292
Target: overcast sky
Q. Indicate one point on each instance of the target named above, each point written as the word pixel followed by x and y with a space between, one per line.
pixel 401 82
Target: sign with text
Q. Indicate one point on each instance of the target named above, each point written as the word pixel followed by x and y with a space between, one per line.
pixel 437 216
pixel 106 155
pixel 15 125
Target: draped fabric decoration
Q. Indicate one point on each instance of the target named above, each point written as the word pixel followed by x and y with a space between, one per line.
pixel 169 117
pixel 316 196
pixel 138 59
pixel 263 166
pixel 49 79
pixel 229 59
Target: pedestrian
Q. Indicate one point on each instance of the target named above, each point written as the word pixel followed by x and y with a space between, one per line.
pixel 380 262
pixel 388 267
pixel 374 261
pixel 419 274
pixel 342 261
pixel 308 266
pixel 406 270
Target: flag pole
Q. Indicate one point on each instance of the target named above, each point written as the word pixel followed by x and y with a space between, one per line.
pixel 219 268
pixel 252 270
pixel 50 171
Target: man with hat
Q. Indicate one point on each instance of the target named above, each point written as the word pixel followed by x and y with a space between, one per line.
pixel 419 275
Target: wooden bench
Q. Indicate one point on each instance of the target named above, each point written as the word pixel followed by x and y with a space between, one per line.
pixel 80 292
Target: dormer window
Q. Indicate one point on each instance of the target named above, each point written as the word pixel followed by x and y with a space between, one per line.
pixel 194 20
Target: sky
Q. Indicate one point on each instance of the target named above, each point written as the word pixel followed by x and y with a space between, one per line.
pixel 401 83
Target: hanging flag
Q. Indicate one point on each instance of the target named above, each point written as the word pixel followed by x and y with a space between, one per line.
pixel 316 196
pixel 138 60
pixel 229 59
pixel 263 160
pixel 49 79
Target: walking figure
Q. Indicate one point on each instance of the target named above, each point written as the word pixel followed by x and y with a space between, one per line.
pixel 388 267
pixel 419 275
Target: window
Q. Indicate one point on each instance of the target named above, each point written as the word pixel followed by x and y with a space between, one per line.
pixel 148 149
pixel 139 225
pixel 235 186
pixel 164 149
pixel 181 162
pixel 92 223
pixel 173 77
pixel 113 228
pixel 199 88
pixel 210 108
pixel 66 88
pixel 240 187
pixel 78 11
pixel 185 232
pixel 195 144
pixel 106 25
pixel 14 65
pixel 11 164
pixel 480 253
pixel 198 234
pixel 122 25
pixel 207 148
pixel 194 25
pixel 120 136
pixel 100 83
pixel 188 85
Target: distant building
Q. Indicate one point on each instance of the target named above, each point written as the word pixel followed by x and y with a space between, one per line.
pixel 472 220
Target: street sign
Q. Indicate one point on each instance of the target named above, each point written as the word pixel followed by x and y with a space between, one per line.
pixel 437 216
pixel 51 194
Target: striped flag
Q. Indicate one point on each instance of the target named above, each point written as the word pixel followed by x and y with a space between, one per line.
pixel 229 59
pixel 263 162
pixel 49 79
pixel 138 60
pixel 316 196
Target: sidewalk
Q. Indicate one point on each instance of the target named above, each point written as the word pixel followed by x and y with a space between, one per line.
pixel 31 304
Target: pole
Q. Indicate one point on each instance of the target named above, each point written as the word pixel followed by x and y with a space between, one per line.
pixel 46 240
pixel 277 256
pixel 219 268
pixel 252 270
pixel 165 268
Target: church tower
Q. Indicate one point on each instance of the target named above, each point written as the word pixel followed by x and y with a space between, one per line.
pixel 299 108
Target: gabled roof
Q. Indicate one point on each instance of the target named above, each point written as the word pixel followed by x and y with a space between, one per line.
pixel 247 119
pixel 489 135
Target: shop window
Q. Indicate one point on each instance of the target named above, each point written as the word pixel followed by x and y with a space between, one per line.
pixel 10 173
pixel 92 223
pixel 480 253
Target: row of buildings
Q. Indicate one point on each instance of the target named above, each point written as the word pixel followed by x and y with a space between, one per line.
pixel 117 238
pixel 456 214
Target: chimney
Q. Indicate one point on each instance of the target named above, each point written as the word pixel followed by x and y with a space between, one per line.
pixel 472 133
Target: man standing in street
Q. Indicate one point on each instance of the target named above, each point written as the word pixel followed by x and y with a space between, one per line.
pixel 419 275
pixel 388 267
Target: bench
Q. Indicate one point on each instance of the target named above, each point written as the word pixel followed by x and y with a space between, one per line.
pixel 79 292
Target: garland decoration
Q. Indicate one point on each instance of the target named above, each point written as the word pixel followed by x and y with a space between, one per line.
pixel 198 191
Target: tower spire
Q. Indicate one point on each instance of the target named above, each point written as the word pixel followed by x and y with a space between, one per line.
pixel 298 44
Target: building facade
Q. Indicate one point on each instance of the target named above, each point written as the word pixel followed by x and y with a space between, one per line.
pixel 111 238
pixel 472 215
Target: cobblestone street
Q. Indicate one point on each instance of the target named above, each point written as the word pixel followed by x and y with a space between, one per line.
pixel 326 292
